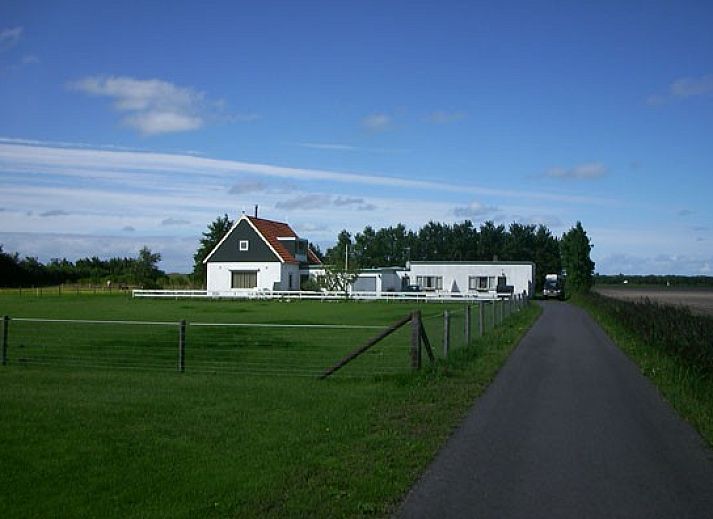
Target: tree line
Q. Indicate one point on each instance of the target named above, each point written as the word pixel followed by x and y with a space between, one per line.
pixel 462 241
pixel 29 271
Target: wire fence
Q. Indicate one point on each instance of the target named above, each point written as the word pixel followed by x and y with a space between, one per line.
pixel 240 348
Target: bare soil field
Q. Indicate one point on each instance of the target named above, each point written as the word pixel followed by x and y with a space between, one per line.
pixel 700 301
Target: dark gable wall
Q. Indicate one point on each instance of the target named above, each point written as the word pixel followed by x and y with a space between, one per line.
pixel 258 250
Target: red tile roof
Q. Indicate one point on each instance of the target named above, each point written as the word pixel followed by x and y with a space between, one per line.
pixel 312 257
pixel 272 230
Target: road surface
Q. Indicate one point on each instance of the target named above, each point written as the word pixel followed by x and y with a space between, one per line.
pixel 569 428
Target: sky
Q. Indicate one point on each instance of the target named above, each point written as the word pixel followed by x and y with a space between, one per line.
pixel 129 125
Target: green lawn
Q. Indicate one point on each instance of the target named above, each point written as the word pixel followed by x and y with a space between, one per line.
pixel 106 442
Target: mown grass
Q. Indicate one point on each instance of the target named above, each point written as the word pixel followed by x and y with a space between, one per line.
pixel 108 443
pixel 672 347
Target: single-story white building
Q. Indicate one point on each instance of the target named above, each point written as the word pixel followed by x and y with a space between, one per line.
pixel 258 254
pixel 471 277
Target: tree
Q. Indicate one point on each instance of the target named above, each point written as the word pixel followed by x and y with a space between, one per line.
pixel 146 272
pixel 547 256
pixel 336 254
pixel 574 250
pixel 216 230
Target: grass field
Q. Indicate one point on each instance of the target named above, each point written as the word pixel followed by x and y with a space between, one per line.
pixel 106 442
pixel 699 300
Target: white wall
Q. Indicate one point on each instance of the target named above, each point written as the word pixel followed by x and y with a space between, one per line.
pixel 268 274
pixel 520 276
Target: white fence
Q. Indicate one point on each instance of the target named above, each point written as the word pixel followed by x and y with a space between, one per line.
pixel 321 296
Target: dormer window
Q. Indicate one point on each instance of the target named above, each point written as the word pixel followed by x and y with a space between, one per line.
pixel 243 245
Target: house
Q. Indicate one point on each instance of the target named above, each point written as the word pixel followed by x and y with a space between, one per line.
pixel 258 254
pixel 475 278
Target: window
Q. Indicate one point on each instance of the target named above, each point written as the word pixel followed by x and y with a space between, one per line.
pixel 243 279
pixel 481 283
pixel 244 244
pixel 430 282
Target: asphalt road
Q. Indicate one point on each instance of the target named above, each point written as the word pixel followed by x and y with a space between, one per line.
pixel 569 428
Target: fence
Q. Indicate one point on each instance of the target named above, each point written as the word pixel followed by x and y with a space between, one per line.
pixel 252 294
pixel 68 290
pixel 248 348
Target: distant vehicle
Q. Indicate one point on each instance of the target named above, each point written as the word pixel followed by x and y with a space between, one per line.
pixel 503 289
pixel 412 288
pixel 554 286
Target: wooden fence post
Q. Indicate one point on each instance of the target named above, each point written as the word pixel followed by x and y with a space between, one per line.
pixel 446 333
pixel 182 346
pixel 481 318
pixel 5 329
pixel 495 317
pixel 416 339
pixel 466 325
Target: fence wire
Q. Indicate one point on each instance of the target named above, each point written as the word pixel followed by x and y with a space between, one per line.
pixel 239 348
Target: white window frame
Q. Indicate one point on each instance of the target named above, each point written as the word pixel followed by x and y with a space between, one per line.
pixel 430 282
pixel 476 283
pixel 243 245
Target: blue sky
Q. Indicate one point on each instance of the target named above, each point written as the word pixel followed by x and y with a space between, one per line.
pixel 129 125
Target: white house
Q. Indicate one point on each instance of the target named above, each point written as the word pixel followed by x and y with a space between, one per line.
pixel 476 277
pixel 258 254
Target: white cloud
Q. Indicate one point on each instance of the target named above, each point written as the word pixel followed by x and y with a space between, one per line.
pixel 442 117
pixel 136 167
pixel 10 37
pixel 473 210
pixel 174 221
pixel 326 146
pixel 683 88
pixel 376 122
pixel 29 59
pixel 688 87
pixel 587 171
pixel 153 106
pixel 248 186
pixel 304 202
pixel 54 212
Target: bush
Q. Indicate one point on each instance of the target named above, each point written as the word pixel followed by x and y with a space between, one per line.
pixel 672 328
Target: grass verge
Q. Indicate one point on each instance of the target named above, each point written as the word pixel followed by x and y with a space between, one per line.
pixel 686 385
pixel 104 443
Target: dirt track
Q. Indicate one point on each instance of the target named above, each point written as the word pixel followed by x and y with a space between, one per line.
pixel 698 300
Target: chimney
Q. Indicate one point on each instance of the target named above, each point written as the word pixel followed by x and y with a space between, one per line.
pixel 255 210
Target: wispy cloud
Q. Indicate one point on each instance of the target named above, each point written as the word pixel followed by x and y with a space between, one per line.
pixel 376 122
pixel 174 221
pixel 152 106
pixel 128 228
pixel 473 210
pixel 587 171
pixel 248 186
pixel 304 202
pixel 327 146
pixel 685 212
pixel 10 37
pixel 126 166
pixel 690 86
pixel 683 88
pixel 54 212
pixel 319 201
pixel 343 201
pixel 443 117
